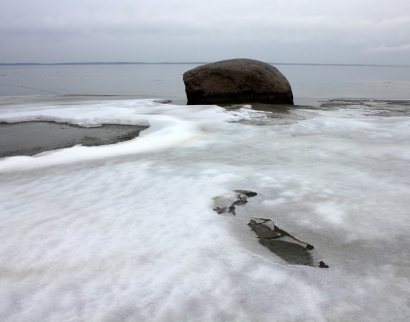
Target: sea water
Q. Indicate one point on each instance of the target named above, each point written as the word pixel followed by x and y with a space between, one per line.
pixel 165 80
pixel 128 232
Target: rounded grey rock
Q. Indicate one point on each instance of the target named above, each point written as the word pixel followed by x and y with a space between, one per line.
pixel 237 81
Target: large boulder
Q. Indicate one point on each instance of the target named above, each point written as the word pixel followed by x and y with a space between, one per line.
pixel 237 81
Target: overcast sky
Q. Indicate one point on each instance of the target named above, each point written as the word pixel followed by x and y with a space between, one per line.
pixel 297 31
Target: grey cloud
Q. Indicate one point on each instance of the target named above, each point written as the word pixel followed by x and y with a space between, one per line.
pixel 384 48
pixel 296 31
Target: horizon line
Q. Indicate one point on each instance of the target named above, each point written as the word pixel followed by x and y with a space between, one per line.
pixel 186 63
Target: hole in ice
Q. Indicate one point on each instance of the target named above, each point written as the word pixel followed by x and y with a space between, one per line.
pixel 278 241
pixel 30 138
pixel 227 203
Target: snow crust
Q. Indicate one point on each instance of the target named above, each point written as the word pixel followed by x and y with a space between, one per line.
pixel 127 231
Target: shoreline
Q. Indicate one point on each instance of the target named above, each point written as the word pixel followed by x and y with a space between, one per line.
pixel 34 137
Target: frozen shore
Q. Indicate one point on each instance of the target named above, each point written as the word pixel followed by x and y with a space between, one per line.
pixel 128 231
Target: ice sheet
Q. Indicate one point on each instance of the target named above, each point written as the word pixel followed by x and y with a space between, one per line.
pixel 127 231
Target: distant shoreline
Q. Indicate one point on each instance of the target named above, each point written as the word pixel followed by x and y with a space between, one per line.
pixel 184 63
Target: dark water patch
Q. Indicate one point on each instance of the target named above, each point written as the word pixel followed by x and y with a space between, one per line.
pixel 276 109
pixel 280 109
pixel 163 101
pixel 371 107
pixel 274 114
pixel 343 103
pixel 278 241
pixel 290 252
pixel 283 244
pixel 30 138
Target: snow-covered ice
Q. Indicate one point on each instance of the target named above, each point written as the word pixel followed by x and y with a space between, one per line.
pixel 128 232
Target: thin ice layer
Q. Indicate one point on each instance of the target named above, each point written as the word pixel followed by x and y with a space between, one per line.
pixel 127 231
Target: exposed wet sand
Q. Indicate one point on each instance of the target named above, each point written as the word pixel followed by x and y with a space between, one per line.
pixel 30 138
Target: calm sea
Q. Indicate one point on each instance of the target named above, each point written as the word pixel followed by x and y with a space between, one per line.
pixel 308 82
